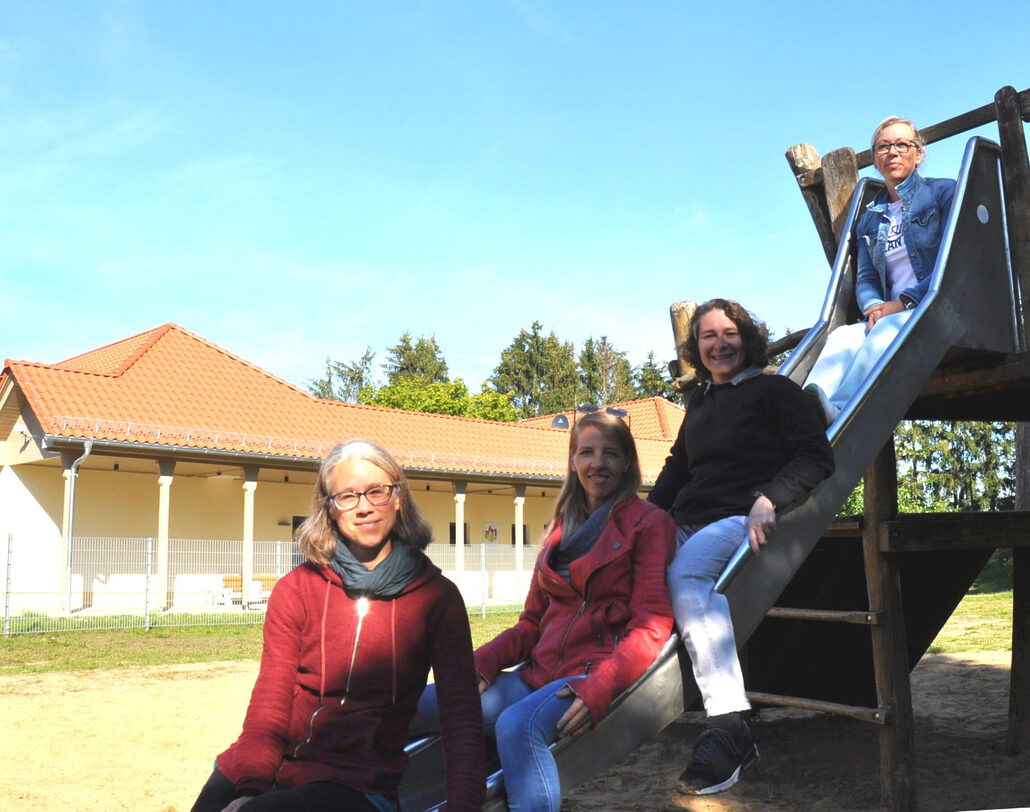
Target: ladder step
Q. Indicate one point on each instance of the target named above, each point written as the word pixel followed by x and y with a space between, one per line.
pixel 878 716
pixel 864 618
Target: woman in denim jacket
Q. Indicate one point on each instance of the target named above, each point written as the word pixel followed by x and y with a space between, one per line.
pixel 899 236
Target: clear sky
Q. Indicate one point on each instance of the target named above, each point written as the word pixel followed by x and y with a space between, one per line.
pixel 293 180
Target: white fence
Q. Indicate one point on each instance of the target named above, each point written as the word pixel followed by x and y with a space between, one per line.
pixel 129 582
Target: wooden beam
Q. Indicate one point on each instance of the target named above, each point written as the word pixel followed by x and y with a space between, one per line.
pixel 890 646
pixel 1019 677
pixel 937 532
pixel 804 160
pixel 1015 175
pixel 959 124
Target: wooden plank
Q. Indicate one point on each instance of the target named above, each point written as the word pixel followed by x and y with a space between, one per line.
pixel 936 532
pixel 890 646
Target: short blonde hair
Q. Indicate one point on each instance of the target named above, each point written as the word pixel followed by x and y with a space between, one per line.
pixel 890 121
pixel 317 536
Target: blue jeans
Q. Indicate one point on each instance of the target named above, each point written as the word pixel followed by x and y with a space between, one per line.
pixel 525 723
pixel 703 615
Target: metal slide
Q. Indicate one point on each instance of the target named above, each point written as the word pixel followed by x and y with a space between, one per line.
pixel 971 304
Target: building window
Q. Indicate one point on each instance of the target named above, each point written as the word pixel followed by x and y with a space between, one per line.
pixel 525 534
pixel 452 533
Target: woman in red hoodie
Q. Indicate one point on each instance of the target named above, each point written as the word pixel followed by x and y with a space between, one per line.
pixel 596 616
pixel 349 639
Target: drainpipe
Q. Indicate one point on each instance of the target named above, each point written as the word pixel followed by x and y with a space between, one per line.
pixel 86 450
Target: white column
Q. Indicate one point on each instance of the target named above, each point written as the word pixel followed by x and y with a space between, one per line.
pixel 520 502
pixel 67 471
pixel 166 471
pixel 250 475
pixel 459 530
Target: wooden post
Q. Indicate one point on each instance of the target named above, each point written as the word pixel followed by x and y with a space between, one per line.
pixel 681 313
pixel 840 177
pixel 1019 679
pixel 890 649
pixel 804 159
pixel 1015 175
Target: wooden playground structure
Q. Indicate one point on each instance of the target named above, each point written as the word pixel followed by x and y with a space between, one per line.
pixel 905 608
pixel 834 614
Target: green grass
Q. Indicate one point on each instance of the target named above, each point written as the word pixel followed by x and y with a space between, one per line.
pixel 117 648
pixel 982 622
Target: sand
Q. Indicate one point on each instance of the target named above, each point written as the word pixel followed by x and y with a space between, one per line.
pixel 144 739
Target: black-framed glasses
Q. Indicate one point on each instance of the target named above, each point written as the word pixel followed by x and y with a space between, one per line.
pixel 377 495
pixel 593 408
pixel 901 146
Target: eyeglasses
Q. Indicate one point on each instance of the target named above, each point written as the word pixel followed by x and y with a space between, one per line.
pixel 901 146
pixel 376 495
pixel 593 408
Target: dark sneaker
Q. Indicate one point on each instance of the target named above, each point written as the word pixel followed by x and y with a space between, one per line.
pixel 720 759
pixel 827 411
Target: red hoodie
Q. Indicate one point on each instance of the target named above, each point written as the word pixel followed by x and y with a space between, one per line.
pixel 608 621
pixel 337 690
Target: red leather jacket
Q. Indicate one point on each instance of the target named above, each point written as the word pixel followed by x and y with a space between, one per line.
pixel 337 688
pixel 608 621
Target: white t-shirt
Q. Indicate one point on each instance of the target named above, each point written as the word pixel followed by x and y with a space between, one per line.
pixel 900 275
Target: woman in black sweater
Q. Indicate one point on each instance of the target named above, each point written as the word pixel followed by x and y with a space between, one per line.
pixel 750 446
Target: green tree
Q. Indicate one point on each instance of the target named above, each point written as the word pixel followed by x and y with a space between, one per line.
pixel 604 373
pixel 344 381
pixel 539 371
pixel 421 359
pixel 961 464
pixel 440 397
pixel 946 466
pixel 652 381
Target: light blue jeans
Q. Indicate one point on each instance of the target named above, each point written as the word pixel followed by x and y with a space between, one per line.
pixel 850 353
pixel 525 722
pixel 703 615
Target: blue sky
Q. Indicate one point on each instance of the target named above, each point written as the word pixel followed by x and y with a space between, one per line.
pixel 296 180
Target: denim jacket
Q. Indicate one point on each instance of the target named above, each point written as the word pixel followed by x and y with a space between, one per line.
pixel 927 202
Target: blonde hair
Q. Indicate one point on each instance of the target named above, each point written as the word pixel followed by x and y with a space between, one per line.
pixel 890 121
pixel 317 536
pixel 572 505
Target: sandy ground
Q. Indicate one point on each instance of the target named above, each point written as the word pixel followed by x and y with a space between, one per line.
pixel 143 739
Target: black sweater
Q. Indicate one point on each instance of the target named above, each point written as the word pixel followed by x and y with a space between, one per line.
pixel 760 434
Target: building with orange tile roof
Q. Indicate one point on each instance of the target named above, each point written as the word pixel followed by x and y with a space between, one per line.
pixel 168 436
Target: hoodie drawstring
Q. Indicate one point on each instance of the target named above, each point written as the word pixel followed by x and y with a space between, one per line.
pixel 393 644
pixel 321 643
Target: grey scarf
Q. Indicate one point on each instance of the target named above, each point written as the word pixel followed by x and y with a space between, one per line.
pixel 402 566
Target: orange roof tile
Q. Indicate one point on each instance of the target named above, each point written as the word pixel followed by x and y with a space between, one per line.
pixel 651 418
pixel 170 387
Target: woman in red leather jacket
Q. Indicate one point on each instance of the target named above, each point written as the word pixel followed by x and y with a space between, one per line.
pixel 596 616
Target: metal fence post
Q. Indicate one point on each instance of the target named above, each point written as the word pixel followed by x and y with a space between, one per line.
pixel 484 581
pixel 278 559
pixel 7 585
pixel 146 585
